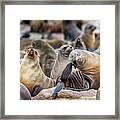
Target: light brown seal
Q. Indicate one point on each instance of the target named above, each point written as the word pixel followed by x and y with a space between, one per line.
pixel 88 63
pixel 31 74
pixel 88 36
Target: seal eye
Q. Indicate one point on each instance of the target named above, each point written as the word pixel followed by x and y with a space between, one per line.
pixel 36 52
pixel 90 27
pixel 33 44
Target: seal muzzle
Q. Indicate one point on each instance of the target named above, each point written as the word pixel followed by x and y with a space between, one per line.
pixel 31 53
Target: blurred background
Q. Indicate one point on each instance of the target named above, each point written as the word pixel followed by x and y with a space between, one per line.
pixel 53 29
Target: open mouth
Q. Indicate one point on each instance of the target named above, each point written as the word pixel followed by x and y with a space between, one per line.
pixel 31 54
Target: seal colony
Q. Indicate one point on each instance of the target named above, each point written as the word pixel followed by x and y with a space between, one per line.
pixel 73 65
pixel 32 76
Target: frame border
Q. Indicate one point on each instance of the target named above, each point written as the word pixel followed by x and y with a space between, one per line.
pixel 55 2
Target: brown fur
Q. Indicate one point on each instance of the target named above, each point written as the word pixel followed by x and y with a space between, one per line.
pixel 47 55
pixel 25 43
pixel 56 43
pixel 31 73
pixel 36 25
pixel 89 64
pixel 89 36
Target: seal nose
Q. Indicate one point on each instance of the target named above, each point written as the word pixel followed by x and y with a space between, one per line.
pixel 78 59
pixel 31 50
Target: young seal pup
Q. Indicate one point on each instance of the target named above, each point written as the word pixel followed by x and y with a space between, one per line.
pixel 31 74
pixel 61 61
pixel 88 63
pixel 47 55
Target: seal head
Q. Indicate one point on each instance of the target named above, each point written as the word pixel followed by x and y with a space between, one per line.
pixel 78 58
pixel 65 50
pixel 32 54
pixel 89 29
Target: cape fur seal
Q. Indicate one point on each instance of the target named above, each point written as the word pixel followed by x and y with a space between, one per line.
pixel 31 74
pixel 61 61
pixel 88 36
pixel 47 55
pixel 88 63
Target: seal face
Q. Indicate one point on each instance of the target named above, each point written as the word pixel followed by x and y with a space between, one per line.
pixel 31 74
pixel 88 63
pixel 32 54
pixel 65 50
pixel 89 29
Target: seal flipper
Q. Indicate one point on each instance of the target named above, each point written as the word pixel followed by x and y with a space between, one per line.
pixel 36 90
pixel 59 87
pixel 66 72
